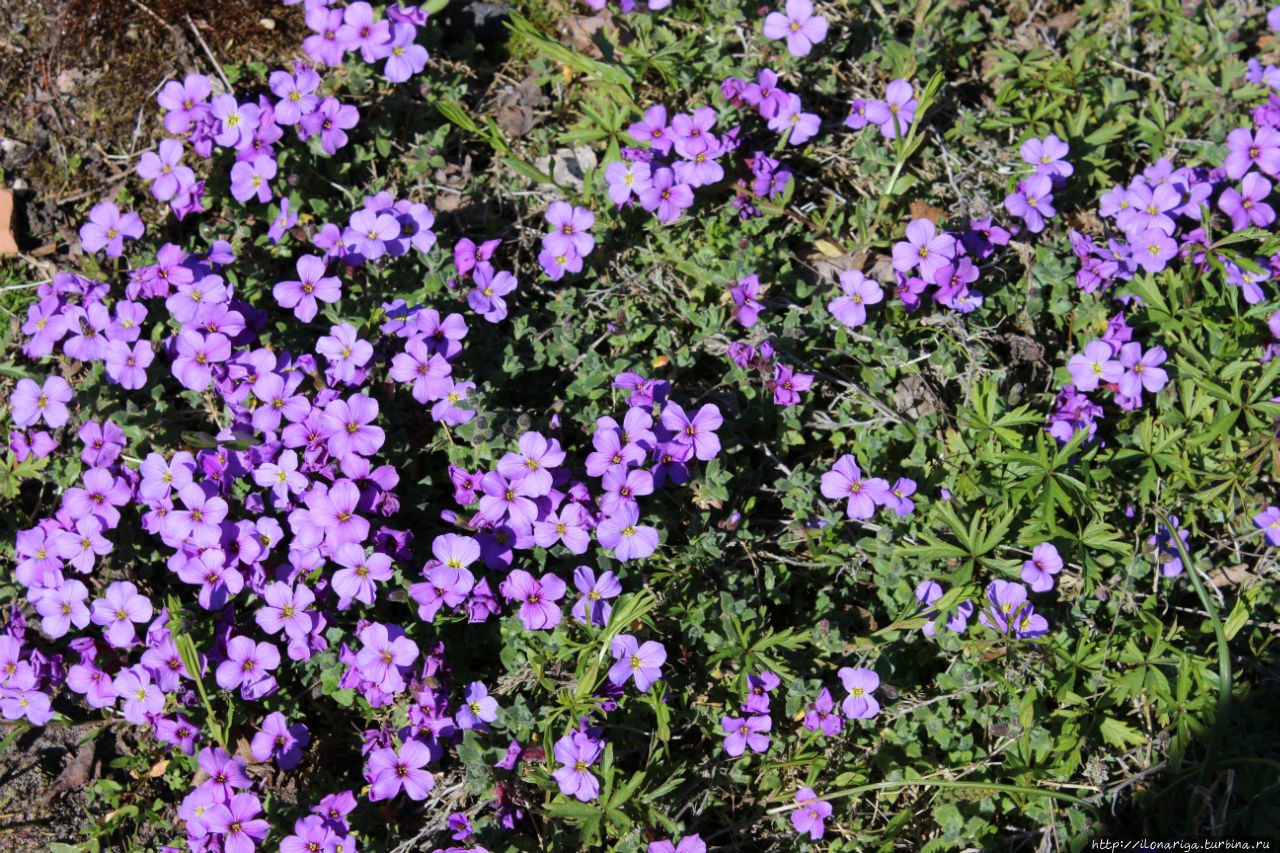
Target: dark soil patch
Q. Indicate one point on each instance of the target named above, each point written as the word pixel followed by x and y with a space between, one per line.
pixel 34 809
pixel 77 89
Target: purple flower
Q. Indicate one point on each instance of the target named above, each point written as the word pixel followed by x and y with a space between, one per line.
pixel 1033 202
pixel 568 526
pixel 822 716
pixel 787 385
pixel 859 292
pixel 356 579
pixel 486 297
pixel 285 608
pixel 643 662
pixel 121 606
pixel 1047 156
pixel 861 683
pixel 538 609
pixel 64 606
pixel 532 466
pixel 31 402
pixel 628 539
pixel 248 666
pixel 251 178
pixel 80 546
pixel 1009 612
pixel 665 196
pixel 237 822
pixel 405 58
pixel 652 128
pixel 1247 205
pixel 1246 149
pixel 478 707
pixel 896 113
pixel 429 372
pixel 698 431
pixel 1094 366
pixel 743 733
pixel 802 126
pixel 344 351
pixel 687 844
pixel 845 480
pixel 184 102
pixel 280 741
pixel 570 226
pixel 349 426
pixel 593 608
pixel 107 227
pixel 1142 370
pixel 1038 572
pixel 330 120
pixel 626 177
pixel 924 248
pixel 386 652
pixel 142 699
pixel 296 94
pixel 898 498
pixel 236 121
pixel 164 170
pixel 127 365
pixel 799 26
pixel 808 818
pixel 1267 521
pixel 575 752
pixel 744 297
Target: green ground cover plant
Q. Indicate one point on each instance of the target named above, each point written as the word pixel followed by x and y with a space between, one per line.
pixel 669 427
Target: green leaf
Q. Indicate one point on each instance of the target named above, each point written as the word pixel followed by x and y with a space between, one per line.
pixel 1120 734
pixel 457 115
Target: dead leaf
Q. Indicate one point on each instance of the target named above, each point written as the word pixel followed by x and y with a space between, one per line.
pixel 582 29
pixel 76 775
pixel 516 112
pixel 8 245
pixel 568 166
pixel 828 248
pixel 157 769
pixel 922 210
pixel 1230 575
pixel 1061 24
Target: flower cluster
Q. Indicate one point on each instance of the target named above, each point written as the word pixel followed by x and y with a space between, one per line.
pixel 945 261
pixel 337 32
pixel 779 108
pixel 894 115
pixel 1113 362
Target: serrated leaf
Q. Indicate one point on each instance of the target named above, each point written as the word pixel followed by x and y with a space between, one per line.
pixel 1120 734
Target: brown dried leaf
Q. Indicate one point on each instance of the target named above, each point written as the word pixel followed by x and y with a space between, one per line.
pixel 517 106
pixel 76 775
pixel 1230 575
pixel 922 210
pixel 8 245
pixel 582 29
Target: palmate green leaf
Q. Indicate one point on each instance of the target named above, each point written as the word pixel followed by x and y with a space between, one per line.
pixel 1100 535
pixel 1120 734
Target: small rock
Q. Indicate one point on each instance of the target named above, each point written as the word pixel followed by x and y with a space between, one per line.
pixel 568 166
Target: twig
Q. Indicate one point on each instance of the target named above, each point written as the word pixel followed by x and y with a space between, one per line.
pixel 144 7
pixel 209 53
